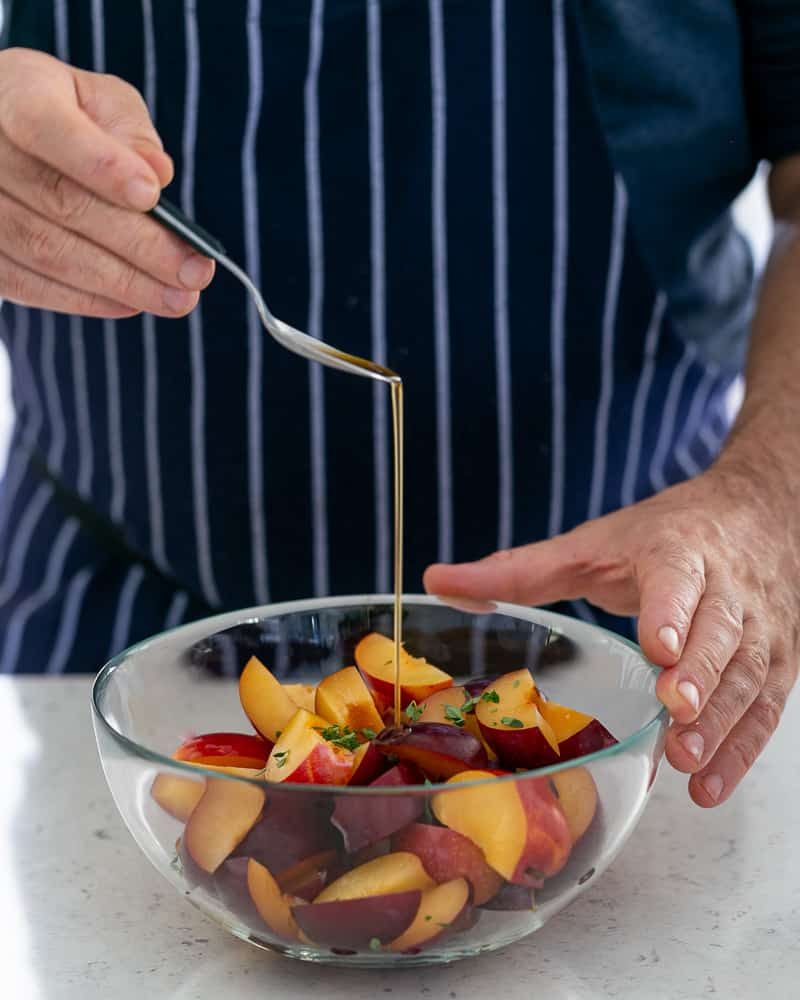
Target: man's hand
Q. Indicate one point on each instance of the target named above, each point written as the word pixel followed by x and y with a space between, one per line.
pixel 713 574
pixel 80 162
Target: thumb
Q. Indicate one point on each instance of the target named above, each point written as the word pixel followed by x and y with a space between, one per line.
pixel 119 109
pixel 539 573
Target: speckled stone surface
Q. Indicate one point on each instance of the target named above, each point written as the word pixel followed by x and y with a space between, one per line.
pixel 698 904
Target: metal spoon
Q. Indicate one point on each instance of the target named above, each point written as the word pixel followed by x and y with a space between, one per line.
pixel 307 347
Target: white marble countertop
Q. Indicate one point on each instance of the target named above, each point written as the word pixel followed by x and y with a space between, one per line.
pixel 698 903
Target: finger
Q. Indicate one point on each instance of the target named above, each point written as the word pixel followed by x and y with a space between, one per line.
pixel 48 124
pixel 737 754
pixel 540 573
pixel 671 583
pixel 714 637
pixel 54 252
pixel 133 236
pixel 120 110
pixel 26 287
pixel 689 748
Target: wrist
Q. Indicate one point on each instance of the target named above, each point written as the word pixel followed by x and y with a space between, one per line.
pixel 760 462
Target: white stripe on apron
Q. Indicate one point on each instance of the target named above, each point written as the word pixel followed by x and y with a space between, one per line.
pixel 667 429
pixel 255 331
pixel 634 452
pixel 316 299
pixel 441 291
pixel 198 401
pixel 17 623
pixel 616 257
pixel 380 402
pixel 70 618
pixel 122 620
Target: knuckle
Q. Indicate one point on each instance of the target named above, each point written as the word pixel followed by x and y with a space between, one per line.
pixel 63 199
pixel 766 711
pixel 148 243
pixel 727 615
pixel 125 284
pixel 745 751
pixel 754 658
pixel 707 659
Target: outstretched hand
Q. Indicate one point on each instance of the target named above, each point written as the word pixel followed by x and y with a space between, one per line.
pixel 706 567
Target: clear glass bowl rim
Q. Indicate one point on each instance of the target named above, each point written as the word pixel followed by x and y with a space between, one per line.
pixel 561 624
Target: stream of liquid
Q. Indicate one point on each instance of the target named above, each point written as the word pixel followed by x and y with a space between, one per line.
pixel 397 452
pixel 395 384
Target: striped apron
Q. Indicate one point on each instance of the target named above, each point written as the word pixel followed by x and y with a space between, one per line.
pixel 422 183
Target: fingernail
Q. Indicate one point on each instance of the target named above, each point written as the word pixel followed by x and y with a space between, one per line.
pixel 713 786
pixel 177 300
pixel 689 693
pixel 692 743
pixel 141 193
pixel 195 272
pixel 669 639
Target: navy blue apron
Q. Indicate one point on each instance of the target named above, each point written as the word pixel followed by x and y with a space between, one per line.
pixel 421 183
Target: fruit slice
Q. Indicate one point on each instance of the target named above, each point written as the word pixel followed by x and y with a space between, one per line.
pixel 344 699
pixel 400 871
pixel 368 764
pixel 221 820
pixel 301 755
pixel 439 910
pixel 363 820
pixel 513 725
pixel 177 796
pixel 438 750
pixel 447 855
pixel 518 825
pixel 229 882
pixel 308 877
pixel 358 923
pixel 475 686
pixel 293 828
pixel 576 732
pixel 418 678
pixel 445 706
pixel 273 906
pixel 577 795
pixel 225 749
pixel 303 695
pixel 265 702
pixel 375 901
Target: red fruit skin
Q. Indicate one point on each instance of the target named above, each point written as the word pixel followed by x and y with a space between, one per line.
pixel 549 841
pixel 590 739
pixel 475 686
pixel 230 884
pixel 520 748
pixel 437 749
pixel 372 765
pixel 446 854
pixel 364 820
pixel 225 750
pixel 354 923
pixel 292 827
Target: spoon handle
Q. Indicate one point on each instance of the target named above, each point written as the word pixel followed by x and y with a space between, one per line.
pixel 173 218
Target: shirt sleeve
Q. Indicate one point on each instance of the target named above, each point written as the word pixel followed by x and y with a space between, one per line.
pixel 771 64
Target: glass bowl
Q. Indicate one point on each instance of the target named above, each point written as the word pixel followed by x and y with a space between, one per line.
pixel 274 847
